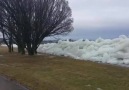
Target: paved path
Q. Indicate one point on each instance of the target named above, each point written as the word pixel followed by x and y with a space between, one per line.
pixel 6 84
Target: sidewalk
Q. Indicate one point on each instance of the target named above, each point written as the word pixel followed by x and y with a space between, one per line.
pixel 5 84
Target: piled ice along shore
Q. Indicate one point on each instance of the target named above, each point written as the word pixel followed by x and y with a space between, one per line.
pixel 112 51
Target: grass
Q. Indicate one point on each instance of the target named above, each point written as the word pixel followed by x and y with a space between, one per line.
pixel 47 72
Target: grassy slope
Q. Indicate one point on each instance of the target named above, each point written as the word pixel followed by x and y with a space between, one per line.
pixel 59 73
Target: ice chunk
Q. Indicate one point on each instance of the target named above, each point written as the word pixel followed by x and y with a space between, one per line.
pixel 112 51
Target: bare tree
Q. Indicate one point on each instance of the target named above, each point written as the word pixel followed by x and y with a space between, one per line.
pixel 1 41
pixel 28 22
pixel 5 28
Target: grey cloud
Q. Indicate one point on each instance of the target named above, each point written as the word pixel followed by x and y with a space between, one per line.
pixel 100 13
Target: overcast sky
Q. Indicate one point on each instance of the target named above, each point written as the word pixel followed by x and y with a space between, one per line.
pixel 99 18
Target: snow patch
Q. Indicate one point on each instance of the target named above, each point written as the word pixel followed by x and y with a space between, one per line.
pixel 14 45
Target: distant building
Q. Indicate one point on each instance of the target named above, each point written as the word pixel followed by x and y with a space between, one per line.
pixel 49 41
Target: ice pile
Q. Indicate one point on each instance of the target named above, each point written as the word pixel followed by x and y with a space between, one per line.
pixel 112 51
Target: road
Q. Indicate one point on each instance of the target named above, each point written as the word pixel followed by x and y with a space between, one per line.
pixel 6 84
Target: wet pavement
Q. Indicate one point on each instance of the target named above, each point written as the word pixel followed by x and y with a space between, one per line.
pixel 6 84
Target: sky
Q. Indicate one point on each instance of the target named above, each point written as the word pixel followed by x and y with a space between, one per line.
pixel 99 18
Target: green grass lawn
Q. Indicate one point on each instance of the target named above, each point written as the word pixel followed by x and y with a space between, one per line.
pixel 47 72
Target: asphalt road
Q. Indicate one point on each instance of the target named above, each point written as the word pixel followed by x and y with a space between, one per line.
pixel 6 84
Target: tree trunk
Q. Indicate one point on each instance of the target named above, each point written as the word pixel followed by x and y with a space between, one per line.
pixel 31 52
pixel 10 49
